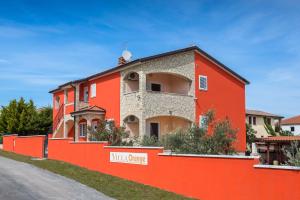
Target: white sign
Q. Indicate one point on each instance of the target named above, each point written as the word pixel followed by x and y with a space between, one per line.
pixel 130 158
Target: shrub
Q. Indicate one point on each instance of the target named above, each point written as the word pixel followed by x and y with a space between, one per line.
pixel 293 154
pixel 199 141
pixel 149 141
pixel 107 131
pixel 1 138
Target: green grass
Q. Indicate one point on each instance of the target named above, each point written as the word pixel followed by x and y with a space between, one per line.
pixel 111 186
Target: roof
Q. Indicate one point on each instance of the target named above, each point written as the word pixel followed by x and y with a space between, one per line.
pixel 144 59
pixel 262 113
pixel 291 121
pixel 89 109
pixel 280 139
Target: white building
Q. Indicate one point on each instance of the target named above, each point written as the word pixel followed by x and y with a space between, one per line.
pixel 291 124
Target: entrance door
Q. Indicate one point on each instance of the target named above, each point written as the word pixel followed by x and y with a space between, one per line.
pixel 154 129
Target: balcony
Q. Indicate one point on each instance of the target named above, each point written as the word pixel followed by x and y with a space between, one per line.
pixel 168 83
pixel 168 104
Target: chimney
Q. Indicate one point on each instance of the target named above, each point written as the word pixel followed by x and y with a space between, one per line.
pixel 121 61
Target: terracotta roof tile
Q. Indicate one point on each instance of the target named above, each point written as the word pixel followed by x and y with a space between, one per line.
pixel 291 121
pixel 261 113
pixel 281 138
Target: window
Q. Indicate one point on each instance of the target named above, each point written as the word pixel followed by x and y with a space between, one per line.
pixel 82 129
pixel 292 128
pixel 66 96
pixel 93 90
pixel 57 102
pixel 86 94
pixel 250 120
pixel 203 82
pixel 203 121
pixel 155 87
pixel 254 120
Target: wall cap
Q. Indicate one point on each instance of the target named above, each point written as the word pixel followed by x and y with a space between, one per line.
pixel 29 136
pixel 210 156
pixel 60 138
pixel 132 147
pixel 89 142
pixel 9 135
pixel 282 167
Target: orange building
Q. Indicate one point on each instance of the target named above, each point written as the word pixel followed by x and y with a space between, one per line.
pixel 153 95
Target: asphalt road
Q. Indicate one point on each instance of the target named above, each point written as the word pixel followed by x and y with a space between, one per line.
pixel 21 181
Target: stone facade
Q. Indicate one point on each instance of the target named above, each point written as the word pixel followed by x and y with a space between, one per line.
pixel 147 104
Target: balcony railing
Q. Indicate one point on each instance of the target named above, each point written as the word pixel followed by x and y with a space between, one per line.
pixel 82 104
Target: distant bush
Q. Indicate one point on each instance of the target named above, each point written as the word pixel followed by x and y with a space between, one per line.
pixel 1 138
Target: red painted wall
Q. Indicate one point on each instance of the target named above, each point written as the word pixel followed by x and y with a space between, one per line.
pixel 69 109
pixel 71 95
pixel 30 146
pixel 225 94
pixel 108 95
pixel 198 177
pixel 26 145
pixel 8 142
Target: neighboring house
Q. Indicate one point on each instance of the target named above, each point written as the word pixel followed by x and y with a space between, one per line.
pixel 154 96
pixel 257 120
pixel 291 124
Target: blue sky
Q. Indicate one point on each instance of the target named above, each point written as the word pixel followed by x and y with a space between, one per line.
pixel 46 43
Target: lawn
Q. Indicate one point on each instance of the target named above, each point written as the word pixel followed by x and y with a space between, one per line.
pixel 111 186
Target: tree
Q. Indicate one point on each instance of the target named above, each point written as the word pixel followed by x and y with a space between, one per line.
pixel 44 120
pixel 22 118
pixel 293 154
pixel 250 136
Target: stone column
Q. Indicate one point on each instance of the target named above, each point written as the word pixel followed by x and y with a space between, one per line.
pixel 77 96
pixel 89 126
pixel 65 129
pixel 76 126
pixel 142 93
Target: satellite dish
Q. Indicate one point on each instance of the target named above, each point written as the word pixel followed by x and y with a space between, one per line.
pixel 126 55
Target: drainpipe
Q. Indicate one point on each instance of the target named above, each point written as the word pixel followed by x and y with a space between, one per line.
pixel 74 117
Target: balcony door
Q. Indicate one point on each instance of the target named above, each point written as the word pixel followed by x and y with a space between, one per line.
pixel 154 129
